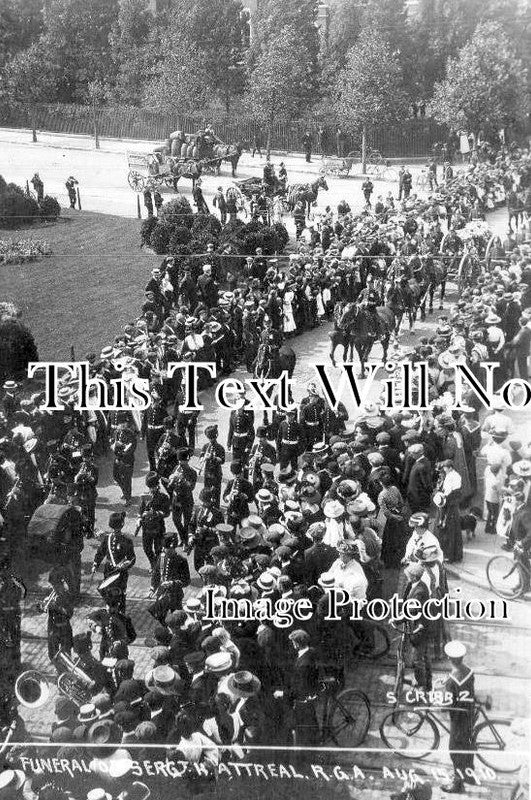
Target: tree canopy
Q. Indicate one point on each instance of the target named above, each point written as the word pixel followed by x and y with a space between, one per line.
pixel 368 90
pixel 485 85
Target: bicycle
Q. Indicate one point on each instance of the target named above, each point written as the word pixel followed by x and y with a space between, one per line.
pixel 414 732
pixel 508 577
pixel 372 644
pixel 345 714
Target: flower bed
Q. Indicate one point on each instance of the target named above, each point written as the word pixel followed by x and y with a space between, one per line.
pixel 21 251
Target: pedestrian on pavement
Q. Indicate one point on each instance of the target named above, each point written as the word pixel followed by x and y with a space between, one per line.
pixel 367 187
pixel 401 173
pixel 220 203
pixel 307 144
pixel 38 185
pixel 157 199
pixel 148 202
pixel 407 183
pixel 71 184
pixel 199 200
pixel 257 145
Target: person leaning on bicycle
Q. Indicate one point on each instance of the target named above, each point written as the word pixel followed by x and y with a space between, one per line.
pixel 418 630
pixel 519 539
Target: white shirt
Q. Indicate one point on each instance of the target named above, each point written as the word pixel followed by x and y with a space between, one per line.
pixel 425 540
pixel 350 577
pixel 452 482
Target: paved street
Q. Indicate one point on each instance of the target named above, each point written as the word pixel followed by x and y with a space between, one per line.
pixel 497 652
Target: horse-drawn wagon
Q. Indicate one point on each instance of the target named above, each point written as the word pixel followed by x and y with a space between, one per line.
pixel 339 166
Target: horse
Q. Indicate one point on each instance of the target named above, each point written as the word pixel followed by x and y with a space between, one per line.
pixel 227 152
pixel 359 328
pixel 307 192
pixel 270 362
pixel 185 169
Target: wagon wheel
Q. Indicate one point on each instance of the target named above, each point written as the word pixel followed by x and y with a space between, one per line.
pixel 355 155
pixel 136 181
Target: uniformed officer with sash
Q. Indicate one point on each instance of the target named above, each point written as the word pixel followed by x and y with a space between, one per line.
pixel 118 554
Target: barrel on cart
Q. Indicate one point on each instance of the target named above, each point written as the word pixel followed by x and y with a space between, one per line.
pixel 52 525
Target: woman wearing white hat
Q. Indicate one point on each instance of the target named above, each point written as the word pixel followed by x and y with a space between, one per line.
pixel 460 686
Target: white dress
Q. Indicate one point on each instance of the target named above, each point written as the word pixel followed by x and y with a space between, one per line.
pixel 287 310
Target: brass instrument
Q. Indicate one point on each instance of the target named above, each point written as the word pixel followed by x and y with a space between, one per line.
pixel 204 458
pixel 254 460
pixel 44 605
pixel 32 688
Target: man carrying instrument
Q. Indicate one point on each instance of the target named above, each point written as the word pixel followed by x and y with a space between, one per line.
pixel 181 487
pixel 124 446
pixel 170 575
pixel 60 609
pixel 202 533
pixel 12 591
pixel 212 458
pixel 154 507
pixel 153 425
pixel 85 488
pixel 262 452
pixel 118 552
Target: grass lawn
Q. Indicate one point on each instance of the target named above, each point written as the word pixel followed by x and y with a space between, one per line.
pixel 89 287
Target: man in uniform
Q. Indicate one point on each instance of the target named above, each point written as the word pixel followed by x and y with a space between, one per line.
pixel 303 689
pixel 202 533
pixel 311 413
pixel 153 425
pixel 154 508
pixel 118 552
pixel 186 425
pixel 110 622
pixel 181 487
pixel 288 440
pixel 85 487
pixel 262 452
pixel 241 433
pixel 238 494
pixel 170 575
pixel 12 591
pixel 60 612
pixel 460 685
pixel 213 457
pixel 124 446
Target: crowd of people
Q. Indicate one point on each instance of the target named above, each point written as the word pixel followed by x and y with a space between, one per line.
pixel 287 507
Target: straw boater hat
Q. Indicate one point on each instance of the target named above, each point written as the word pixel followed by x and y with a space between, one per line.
pixel 165 680
pixel 333 509
pixel 244 684
pixel 522 468
pixel 327 580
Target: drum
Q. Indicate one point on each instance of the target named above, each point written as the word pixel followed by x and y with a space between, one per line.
pixel 55 524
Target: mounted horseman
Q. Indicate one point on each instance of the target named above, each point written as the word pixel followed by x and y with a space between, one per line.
pixel 307 193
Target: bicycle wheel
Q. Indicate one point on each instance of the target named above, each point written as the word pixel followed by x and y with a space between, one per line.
pixel 390 174
pixel 505 577
pixel 497 746
pixel 410 733
pixel 349 718
pixel 399 675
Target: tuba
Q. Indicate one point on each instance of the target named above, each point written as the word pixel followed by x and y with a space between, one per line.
pixel 32 688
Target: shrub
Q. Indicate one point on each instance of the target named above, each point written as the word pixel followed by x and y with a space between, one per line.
pixel 23 250
pixel 146 229
pixel 282 235
pixel 177 212
pixel 160 237
pixel 200 242
pixel 208 225
pixel 3 185
pixel 17 209
pixel 49 208
pixel 180 235
pixel 18 345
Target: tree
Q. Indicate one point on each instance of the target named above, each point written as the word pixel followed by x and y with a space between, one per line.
pixel 369 91
pixel 95 96
pixel 29 79
pixel 299 16
pixel 485 85
pixel 279 81
pixel 180 82
pixel 440 28
pixel 20 25
pixel 216 28
pixel 134 50
pixel 76 37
